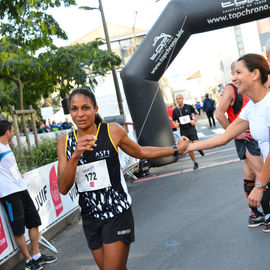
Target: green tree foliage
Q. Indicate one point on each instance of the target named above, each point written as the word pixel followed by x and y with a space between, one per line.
pixel 26 23
pixel 17 66
pixel 25 75
pixel 25 28
pixel 78 65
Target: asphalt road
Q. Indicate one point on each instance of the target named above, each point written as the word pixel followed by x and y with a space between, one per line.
pixel 184 219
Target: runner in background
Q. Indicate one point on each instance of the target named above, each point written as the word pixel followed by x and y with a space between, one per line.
pixel 209 108
pixel 172 123
pixel 183 117
pixel 170 114
pixel 198 107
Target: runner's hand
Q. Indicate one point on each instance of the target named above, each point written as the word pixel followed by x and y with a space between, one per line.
pixel 245 136
pixel 255 197
pixel 85 143
pixel 192 122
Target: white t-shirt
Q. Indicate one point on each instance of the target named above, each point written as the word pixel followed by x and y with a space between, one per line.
pixel 258 116
pixel 11 180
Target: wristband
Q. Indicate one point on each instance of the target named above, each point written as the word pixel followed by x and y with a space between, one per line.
pixel 175 153
pixel 260 185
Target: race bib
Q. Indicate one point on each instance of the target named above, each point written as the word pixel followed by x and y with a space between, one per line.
pixel 92 176
pixel 184 119
pixel 15 172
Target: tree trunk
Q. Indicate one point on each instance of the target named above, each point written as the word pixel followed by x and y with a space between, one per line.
pixel 20 86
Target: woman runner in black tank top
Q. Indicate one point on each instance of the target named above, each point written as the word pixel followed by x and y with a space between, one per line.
pixel 88 157
pixel 112 200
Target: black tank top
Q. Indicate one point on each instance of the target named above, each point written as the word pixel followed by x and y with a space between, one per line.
pixel 107 202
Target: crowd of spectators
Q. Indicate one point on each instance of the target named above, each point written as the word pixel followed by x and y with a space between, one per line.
pixel 53 126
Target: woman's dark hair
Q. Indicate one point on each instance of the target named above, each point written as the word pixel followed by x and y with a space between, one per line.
pixel 89 94
pixel 4 126
pixel 256 61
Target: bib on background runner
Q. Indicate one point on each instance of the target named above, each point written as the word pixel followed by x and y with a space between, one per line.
pixel 184 119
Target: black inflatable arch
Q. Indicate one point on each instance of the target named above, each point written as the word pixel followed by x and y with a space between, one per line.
pixel 179 20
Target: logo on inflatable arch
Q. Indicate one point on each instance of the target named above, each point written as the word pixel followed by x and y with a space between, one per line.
pixel 237 3
pixel 3 239
pixel 160 43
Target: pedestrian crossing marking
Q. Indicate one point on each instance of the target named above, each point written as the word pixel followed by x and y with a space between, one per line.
pixel 200 135
pixel 218 130
pixel 204 133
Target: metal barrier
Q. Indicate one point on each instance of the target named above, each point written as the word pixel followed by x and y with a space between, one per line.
pixel 120 119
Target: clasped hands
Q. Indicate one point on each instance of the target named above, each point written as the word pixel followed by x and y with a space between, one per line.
pixel 183 145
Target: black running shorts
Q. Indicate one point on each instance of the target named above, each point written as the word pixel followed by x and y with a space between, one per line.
pixel 118 228
pixel 21 212
pixel 251 146
pixel 190 133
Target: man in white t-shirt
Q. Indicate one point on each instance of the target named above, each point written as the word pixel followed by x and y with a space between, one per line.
pixel 17 202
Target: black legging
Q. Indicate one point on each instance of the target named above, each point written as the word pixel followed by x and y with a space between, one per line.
pixel 209 116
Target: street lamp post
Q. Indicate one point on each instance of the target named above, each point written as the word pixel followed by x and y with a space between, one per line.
pixel 133 28
pixel 108 42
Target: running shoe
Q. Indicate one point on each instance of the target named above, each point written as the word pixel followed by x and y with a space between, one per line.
pixel 201 152
pixel 33 265
pixel 196 165
pixel 266 227
pixel 255 220
pixel 44 259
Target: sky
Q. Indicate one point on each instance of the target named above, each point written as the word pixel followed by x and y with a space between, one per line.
pixel 77 23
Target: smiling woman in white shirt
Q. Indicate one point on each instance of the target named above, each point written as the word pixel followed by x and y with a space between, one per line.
pixel 251 75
